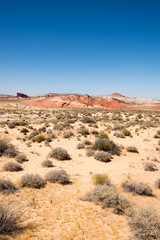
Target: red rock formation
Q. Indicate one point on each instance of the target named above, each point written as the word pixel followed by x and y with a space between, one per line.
pixel 82 101
pixel 22 95
pixel 74 100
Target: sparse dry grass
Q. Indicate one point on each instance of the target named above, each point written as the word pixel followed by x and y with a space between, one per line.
pixel 101 179
pixel 9 219
pixel 145 224
pixel 65 215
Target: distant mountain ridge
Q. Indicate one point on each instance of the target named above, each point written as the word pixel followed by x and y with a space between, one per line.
pixel 82 101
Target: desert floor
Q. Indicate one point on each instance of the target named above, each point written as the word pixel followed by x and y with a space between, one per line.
pixel 57 212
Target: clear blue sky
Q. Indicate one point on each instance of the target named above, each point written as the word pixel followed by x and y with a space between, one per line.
pixel 80 46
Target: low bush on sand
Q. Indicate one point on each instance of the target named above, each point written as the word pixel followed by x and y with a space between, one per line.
pixel 20 158
pixel 59 176
pixel 6 186
pixel 127 133
pixel 106 145
pixel 83 131
pixel 145 224
pixel 32 181
pixel 103 156
pixel 47 163
pixel 119 134
pixel 137 188
pixel 68 134
pixel 80 146
pixel 90 153
pixel 7 149
pixel 88 120
pixel 149 166
pixel 12 167
pixel 108 197
pixel 132 149
pixel 60 154
pixel 39 138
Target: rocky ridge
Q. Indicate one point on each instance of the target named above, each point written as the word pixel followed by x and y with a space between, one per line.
pixel 82 101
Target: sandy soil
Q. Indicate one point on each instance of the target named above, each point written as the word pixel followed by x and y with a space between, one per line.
pixel 56 211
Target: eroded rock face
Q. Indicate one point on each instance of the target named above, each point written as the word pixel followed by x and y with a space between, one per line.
pixel 22 95
pixel 82 101
pixel 74 100
pixel 130 100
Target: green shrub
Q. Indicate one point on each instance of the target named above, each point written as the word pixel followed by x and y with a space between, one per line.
pixel 102 134
pixel 32 181
pixel 103 156
pixel 24 130
pixel 158 132
pixel 7 187
pixel 132 149
pixel 127 133
pixel 12 167
pixel 106 145
pixel 60 154
pixel 43 129
pixel 59 176
pixel 39 138
pixel 103 145
pixel 145 224
pixel 101 179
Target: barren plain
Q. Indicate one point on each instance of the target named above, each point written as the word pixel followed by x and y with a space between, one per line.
pixel 107 187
